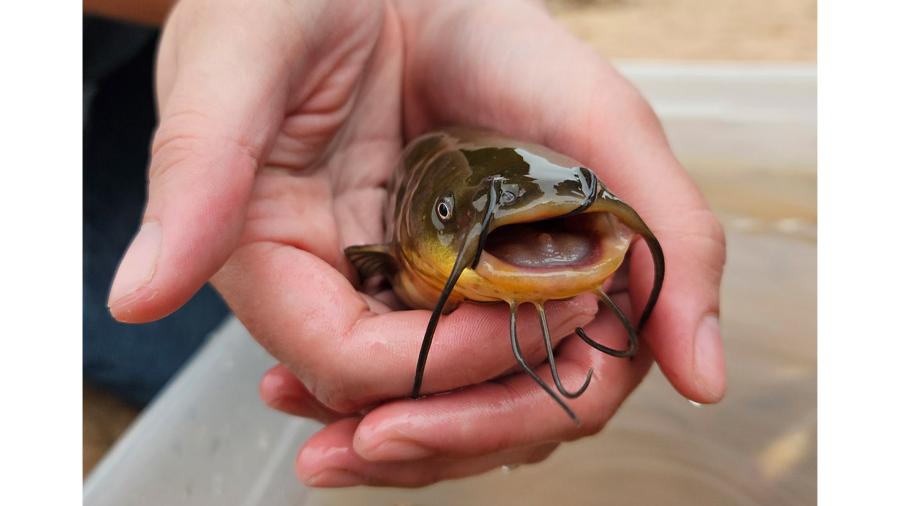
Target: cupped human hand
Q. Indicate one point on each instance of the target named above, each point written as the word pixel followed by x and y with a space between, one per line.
pixel 280 124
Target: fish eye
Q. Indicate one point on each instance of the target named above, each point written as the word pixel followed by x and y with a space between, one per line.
pixel 507 197
pixel 444 208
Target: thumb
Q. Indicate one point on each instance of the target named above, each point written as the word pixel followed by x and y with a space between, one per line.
pixel 215 125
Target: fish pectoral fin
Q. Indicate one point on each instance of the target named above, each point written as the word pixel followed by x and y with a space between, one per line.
pixel 372 260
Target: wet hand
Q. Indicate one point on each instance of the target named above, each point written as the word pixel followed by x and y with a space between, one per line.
pixel 279 128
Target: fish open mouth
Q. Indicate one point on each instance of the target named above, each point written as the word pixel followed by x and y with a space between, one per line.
pixel 557 243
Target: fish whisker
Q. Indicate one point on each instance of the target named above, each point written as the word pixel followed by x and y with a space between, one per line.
pixel 545 330
pixel 517 352
pixel 632 335
pixel 459 266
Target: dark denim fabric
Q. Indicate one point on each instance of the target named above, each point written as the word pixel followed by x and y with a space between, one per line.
pixel 132 361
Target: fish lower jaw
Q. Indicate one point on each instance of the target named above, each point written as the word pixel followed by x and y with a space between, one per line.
pixel 492 282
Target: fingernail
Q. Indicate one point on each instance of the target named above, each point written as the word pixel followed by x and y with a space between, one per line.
pixel 398 449
pixel 334 478
pixel 709 359
pixel 139 263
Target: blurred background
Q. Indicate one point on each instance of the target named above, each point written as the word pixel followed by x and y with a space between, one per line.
pixel 763 30
pixel 752 63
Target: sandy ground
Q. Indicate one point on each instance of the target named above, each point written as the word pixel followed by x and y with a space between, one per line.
pixel 783 30
pixel 762 30
pixel 105 419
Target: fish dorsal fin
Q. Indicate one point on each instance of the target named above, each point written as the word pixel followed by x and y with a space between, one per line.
pixel 372 260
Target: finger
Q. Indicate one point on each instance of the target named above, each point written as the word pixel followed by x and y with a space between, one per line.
pixel 215 126
pixel 281 390
pixel 684 333
pixel 568 98
pixel 328 460
pixel 478 420
pixel 311 318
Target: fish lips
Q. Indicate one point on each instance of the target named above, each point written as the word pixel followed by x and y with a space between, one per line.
pixel 555 247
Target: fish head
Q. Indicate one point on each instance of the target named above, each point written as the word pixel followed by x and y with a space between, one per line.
pixel 555 229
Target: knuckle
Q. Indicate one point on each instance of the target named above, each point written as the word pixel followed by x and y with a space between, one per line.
pixel 329 390
pixel 540 453
pixel 707 232
pixel 170 151
pixel 700 232
pixel 432 475
pixel 335 389
pixel 596 420
pixel 591 427
pixel 191 136
pixel 716 231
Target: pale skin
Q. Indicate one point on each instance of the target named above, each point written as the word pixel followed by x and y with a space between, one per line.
pixel 280 123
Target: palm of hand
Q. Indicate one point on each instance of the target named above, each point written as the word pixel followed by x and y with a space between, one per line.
pixel 312 199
